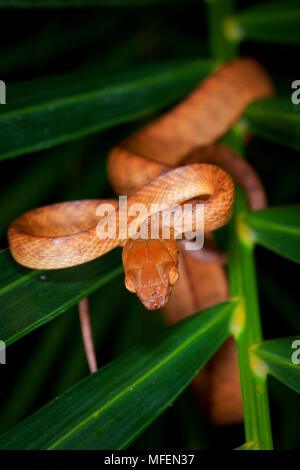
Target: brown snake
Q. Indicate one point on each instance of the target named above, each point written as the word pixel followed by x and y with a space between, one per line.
pixel 172 160
pixel 144 166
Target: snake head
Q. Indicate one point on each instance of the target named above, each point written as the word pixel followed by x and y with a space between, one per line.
pixel 151 270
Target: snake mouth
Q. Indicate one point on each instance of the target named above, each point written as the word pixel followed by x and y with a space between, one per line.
pixel 154 302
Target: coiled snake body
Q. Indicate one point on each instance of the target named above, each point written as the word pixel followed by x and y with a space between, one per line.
pixel 146 167
pixel 164 163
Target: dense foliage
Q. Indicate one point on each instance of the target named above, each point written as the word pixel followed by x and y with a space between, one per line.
pixel 78 80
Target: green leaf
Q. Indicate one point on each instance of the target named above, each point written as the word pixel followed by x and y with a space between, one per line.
pixel 36 368
pixel 55 39
pixel 78 3
pixel 105 308
pixel 276 119
pixel 282 358
pixel 46 112
pixel 277 21
pixel 43 369
pixel 30 298
pixel 111 407
pixel 251 445
pixel 278 229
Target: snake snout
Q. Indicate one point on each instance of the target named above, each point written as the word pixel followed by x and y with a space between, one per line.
pixel 152 283
pixel 155 301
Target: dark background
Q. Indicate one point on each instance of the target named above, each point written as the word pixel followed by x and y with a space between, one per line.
pixel 34 43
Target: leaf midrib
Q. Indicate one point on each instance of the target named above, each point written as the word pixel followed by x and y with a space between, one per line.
pixel 259 109
pixel 77 98
pixel 21 280
pixel 273 227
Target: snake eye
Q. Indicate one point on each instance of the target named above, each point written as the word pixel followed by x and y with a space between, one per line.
pixel 173 275
pixel 129 285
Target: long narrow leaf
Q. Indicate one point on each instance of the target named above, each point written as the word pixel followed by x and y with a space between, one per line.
pixel 276 119
pixel 282 358
pixel 278 229
pixel 276 21
pixel 110 408
pixel 45 112
pixel 251 445
pixel 31 298
pixel 35 371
